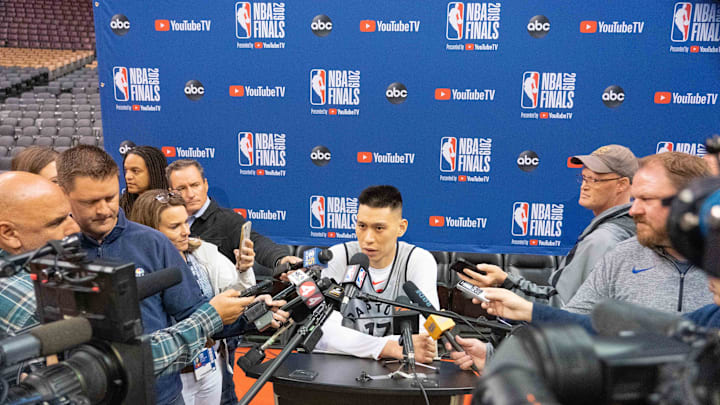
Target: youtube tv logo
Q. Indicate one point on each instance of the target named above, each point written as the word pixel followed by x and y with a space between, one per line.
pixel 572 165
pixel 169 151
pixel 367 26
pixel 364 157
pixel 162 25
pixel 241 211
pixel 663 97
pixel 442 94
pixel 437 221
pixel 237 91
pixel 588 27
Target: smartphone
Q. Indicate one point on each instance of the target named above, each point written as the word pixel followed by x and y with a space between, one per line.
pixel 472 290
pixel 245 233
pixel 461 264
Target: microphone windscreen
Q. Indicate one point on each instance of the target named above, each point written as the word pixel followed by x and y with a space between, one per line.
pixel 56 337
pixel 325 256
pixel 416 296
pixel 361 259
pixel 153 283
pixel 610 317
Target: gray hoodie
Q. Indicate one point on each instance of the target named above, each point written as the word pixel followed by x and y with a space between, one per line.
pixel 644 276
pixel 599 237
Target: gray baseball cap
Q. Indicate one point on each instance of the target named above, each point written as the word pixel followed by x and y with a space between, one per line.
pixel 609 159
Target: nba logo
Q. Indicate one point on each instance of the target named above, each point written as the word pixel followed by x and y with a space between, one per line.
pixel 242 20
pixel 318 90
pixel 681 22
pixel 120 78
pixel 448 154
pixel 360 277
pixel 317 212
pixel 455 20
pixel 530 85
pixel 664 147
pixel 520 218
pixel 245 148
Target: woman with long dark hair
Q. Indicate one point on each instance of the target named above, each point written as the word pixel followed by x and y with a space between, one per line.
pixel 144 168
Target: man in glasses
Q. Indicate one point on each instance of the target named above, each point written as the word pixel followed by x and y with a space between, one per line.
pixel 644 270
pixel 605 190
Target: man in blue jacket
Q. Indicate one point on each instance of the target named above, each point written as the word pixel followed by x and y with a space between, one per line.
pixel 89 177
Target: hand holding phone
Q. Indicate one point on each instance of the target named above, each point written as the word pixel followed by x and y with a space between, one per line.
pixel 461 264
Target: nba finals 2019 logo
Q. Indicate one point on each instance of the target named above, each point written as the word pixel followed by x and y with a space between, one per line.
pixel 470 22
pixel 262 153
pixel 333 216
pixel 262 24
pixel 694 26
pixel 336 89
pixel 533 221
pixel 547 90
pixel 465 159
pixel 137 85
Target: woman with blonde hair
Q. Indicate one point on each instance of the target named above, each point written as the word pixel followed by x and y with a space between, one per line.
pixel 166 212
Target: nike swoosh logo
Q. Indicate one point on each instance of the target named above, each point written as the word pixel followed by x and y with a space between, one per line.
pixel 379 282
pixel 636 271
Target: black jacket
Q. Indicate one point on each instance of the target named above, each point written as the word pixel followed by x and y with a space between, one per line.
pixel 221 226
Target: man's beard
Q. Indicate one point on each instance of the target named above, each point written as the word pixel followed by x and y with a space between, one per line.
pixel 652 237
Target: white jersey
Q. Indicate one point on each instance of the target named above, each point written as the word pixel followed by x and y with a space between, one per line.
pixel 369 330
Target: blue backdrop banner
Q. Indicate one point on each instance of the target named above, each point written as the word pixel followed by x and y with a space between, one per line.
pixel 471 109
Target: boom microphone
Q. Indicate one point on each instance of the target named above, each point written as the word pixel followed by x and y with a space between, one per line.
pixel 611 317
pixel 153 283
pixel 44 340
pixel 437 326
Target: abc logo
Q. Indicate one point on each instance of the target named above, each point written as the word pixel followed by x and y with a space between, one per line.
pixel 119 24
pixel 321 25
pixel 396 93
pixel 528 161
pixel 194 90
pixel 320 155
pixel 125 147
pixel 613 96
pixel 539 26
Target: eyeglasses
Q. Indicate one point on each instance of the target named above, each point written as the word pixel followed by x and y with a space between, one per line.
pixel 592 180
pixel 165 197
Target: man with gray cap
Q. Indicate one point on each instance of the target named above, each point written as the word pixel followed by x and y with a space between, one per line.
pixel 605 190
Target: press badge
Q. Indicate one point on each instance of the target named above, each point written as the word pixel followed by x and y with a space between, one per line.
pixel 205 363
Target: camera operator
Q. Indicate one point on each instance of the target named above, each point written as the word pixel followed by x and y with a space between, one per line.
pixel 89 178
pixel 644 270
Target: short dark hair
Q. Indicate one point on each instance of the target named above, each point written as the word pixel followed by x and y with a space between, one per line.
pixel 84 160
pixel 381 197
pixel 181 164
pixel 155 162
pixel 681 168
pixel 33 159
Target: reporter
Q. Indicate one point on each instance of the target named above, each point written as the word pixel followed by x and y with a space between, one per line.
pixel 213 272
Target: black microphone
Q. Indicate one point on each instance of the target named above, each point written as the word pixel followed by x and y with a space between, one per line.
pixel 407 321
pixel 354 278
pixel 44 340
pixel 418 298
pixel 611 317
pixel 311 257
pixel 153 283
pixel 255 289
pixel 8 264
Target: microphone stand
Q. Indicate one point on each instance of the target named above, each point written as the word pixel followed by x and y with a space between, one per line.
pixel 496 326
pixel 307 336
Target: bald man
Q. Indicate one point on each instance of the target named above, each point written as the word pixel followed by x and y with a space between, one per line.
pixel 32 211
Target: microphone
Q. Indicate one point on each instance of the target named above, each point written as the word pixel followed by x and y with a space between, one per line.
pixel 257 288
pixel 311 257
pixel 354 277
pixel 439 326
pixel 611 317
pixel 407 323
pixel 309 294
pixel 44 340
pixel 8 265
pixel 153 283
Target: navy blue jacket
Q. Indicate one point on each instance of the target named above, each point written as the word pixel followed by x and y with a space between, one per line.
pixel 150 250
